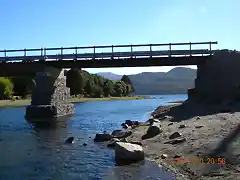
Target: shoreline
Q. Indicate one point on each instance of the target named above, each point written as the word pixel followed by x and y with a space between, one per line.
pixel 26 102
pixel 205 128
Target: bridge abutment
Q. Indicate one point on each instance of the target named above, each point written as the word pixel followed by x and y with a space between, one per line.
pixel 51 97
pixel 218 78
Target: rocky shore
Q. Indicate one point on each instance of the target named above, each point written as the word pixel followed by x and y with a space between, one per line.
pixel 193 140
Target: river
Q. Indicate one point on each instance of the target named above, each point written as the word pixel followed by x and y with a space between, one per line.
pixel 33 153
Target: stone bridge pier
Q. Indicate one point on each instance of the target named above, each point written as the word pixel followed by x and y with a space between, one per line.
pixel 51 97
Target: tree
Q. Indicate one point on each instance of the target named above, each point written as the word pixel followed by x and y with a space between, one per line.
pixel 127 81
pixel 75 81
pixel 6 88
pixel 89 88
pixel 23 85
pixel 120 88
pixel 108 88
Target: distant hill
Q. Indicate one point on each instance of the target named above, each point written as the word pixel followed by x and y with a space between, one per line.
pixel 110 75
pixel 175 81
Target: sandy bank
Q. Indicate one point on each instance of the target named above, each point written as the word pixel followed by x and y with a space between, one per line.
pixel 211 132
pixel 25 102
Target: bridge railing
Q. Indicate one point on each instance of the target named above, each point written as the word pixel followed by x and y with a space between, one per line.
pixel 42 52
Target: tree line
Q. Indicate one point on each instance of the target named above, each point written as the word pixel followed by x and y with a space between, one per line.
pixel 80 82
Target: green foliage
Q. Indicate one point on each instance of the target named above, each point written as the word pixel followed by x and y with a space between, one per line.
pixel 127 81
pixel 75 81
pixel 23 85
pixel 6 88
pixel 92 85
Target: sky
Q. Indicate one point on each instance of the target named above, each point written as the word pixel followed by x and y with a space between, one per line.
pixel 61 23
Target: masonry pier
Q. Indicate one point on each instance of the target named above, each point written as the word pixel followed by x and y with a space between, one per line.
pixel 51 97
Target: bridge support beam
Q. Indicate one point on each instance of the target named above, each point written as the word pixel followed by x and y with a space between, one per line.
pixel 50 98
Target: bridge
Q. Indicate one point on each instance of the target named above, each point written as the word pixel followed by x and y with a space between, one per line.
pixel 50 98
pixel 23 61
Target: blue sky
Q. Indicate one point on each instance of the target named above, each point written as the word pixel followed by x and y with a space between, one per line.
pixel 56 23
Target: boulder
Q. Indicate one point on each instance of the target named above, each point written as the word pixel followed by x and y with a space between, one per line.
pixel 182 126
pixel 151 121
pixel 152 131
pixel 121 134
pixel 112 142
pixel 127 153
pixel 175 135
pixel 102 137
pixel 69 140
pixel 198 126
pixel 170 124
pixel 125 126
pixel 129 122
pixel 136 142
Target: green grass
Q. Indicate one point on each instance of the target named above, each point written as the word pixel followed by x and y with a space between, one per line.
pixel 25 102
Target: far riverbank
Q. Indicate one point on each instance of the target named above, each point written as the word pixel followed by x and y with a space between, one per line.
pixel 26 102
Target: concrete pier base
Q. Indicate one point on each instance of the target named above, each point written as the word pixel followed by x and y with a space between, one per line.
pixel 51 97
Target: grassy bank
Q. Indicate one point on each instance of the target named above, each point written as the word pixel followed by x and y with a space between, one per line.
pixel 25 102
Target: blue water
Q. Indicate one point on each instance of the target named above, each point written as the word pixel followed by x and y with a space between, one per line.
pixel 28 152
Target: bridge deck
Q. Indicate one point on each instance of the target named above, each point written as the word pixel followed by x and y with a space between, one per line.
pixel 47 53
pixel 136 54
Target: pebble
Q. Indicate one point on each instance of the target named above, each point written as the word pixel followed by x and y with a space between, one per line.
pixel 182 126
pixel 164 156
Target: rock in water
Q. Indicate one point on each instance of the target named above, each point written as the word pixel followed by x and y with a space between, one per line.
pixel 121 134
pixel 112 142
pixel 152 131
pixel 70 140
pixel 102 137
pixel 127 153
pixel 129 122
pixel 125 126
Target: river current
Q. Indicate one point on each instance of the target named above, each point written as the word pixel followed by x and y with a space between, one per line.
pixel 34 153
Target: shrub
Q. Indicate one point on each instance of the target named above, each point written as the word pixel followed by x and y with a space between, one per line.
pixel 6 88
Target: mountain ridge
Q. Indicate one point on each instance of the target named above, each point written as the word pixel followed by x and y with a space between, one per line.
pixel 175 81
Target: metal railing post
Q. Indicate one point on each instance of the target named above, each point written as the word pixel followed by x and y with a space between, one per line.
pixel 94 50
pixel 76 53
pixel 190 48
pixel 150 50
pixel 61 52
pixel 44 51
pixel 25 52
pixel 170 49
pixel 131 51
pixel 210 46
pixel 112 52
pixel 41 51
pixel 5 53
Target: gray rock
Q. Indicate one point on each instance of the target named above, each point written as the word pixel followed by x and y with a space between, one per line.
pixel 175 135
pixel 198 117
pixel 152 131
pixel 102 137
pixel 198 126
pixel 125 126
pixel 164 156
pixel 176 141
pixel 182 126
pixel 127 153
pixel 121 134
pixel 151 121
pixel 112 142
pixel 69 140
pixel 170 124
pixel 129 122
pixel 136 142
